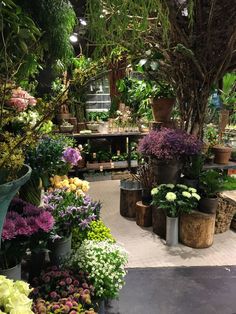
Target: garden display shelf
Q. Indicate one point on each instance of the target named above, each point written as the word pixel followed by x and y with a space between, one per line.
pixel 229 165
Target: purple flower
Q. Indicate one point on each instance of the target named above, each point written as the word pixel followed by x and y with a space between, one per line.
pixel 31 210
pixel 45 221
pixel 169 144
pixel 71 155
pixel 12 215
pixel 31 222
pixel 21 226
pixel 84 223
pixel 8 231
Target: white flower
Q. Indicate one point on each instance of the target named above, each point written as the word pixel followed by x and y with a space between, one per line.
pixel 182 186
pixel 170 196
pixel 186 194
pixel 170 185
pixel 196 196
pixel 154 191
pixel 192 190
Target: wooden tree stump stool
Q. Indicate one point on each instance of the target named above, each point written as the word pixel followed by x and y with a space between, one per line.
pixel 159 221
pixel 128 200
pixel 197 229
pixel 143 215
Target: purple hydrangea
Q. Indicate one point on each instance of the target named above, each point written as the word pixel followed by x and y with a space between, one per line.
pixel 169 144
pixel 71 155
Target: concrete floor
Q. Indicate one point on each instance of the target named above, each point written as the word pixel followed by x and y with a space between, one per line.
pixel 146 249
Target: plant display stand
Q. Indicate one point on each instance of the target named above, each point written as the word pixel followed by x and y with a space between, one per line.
pixel 225 211
pixel 159 221
pixel 130 194
pixel 197 229
pixel 143 215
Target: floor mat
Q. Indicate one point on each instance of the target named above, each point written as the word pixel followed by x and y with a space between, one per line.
pixel 177 290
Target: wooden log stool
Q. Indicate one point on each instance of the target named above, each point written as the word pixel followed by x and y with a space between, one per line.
pixel 197 229
pixel 159 221
pixel 143 214
pixel 128 200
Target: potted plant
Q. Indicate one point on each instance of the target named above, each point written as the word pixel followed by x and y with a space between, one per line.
pixel 167 149
pixel 62 289
pixel 105 264
pixel 210 184
pixel 25 227
pixel 174 200
pixel 70 208
pixel 192 168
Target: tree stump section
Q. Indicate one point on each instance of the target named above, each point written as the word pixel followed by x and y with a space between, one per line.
pixel 159 221
pixel 197 229
pixel 225 211
pixel 128 200
pixel 143 215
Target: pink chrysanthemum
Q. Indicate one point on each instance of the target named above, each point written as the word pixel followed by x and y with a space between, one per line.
pixel 45 221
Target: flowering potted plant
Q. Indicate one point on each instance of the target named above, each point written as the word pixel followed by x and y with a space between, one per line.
pixel 25 226
pixel 59 290
pixel 14 296
pixel 69 209
pixel 167 149
pixel 174 199
pixel 105 264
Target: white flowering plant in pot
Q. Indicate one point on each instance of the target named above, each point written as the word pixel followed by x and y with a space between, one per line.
pixel 105 264
pixel 175 199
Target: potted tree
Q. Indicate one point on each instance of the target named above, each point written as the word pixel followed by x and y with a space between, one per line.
pixel 210 183
pixel 174 199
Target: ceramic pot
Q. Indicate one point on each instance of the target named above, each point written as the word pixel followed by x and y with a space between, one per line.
pixel 162 109
pixel 13 273
pixel 222 154
pixel 208 205
pixel 9 189
pixel 60 249
pixel 172 231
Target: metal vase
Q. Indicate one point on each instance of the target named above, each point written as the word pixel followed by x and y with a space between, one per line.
pixel 13 273
pixel 172 231
pixel 60 249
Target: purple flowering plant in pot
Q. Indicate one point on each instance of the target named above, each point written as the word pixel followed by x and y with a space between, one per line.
pixel 58 289
pixel 167 150
pixel 25 226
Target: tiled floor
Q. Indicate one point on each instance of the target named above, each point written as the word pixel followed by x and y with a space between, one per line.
pixel 146 249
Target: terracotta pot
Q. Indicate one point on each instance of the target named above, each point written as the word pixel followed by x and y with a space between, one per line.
pixel 162 109
pixel 208 205
pixel 222 154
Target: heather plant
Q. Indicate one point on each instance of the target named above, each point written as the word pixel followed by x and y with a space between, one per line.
pixel 175 199
pixel 105 264
pixel 70 210
pixel 25 226
pixel 97 231
pixel 60 289
pixel 169 144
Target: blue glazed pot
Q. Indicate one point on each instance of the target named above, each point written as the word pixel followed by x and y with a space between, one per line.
pixel 9 189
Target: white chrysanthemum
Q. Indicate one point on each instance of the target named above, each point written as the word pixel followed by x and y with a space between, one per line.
pixel 154 191
pixel 182 186
pixel 196 196
pixel 170 196
pixel 192 190
pixel 170 185
pixel 186 194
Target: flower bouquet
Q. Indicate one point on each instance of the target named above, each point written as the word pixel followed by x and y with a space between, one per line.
pixel 25 226
pixel 62 291
pixel 105 264
pixel 14 297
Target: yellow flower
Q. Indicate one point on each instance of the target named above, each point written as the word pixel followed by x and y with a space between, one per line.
pixel 79 192
pixel 85 186
pixel 22 287
pixel 73 187
pixel 77 182
pixel 65 183
pixel 196 196
pixel 71 180
pixel 19 303
pixel 186 194
pixel 192 190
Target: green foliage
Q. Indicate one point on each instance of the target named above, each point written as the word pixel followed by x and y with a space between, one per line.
pixel 57 19
pixel 211 135
pixel 19 46
pixel 210 182
pixel 193 166
pixel 229 183
pixel 228 93
pixel 97 116
pixel 97 232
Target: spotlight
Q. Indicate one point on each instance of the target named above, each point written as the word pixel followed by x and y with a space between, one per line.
pixel 74 37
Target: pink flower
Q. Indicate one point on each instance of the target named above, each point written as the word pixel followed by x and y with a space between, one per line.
pixel 68 280
pixel 45 221
pixel 8 231
pixel 21 226
pixel 32 225
pixel 53 294
pixel 72 156
pixel 20 100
